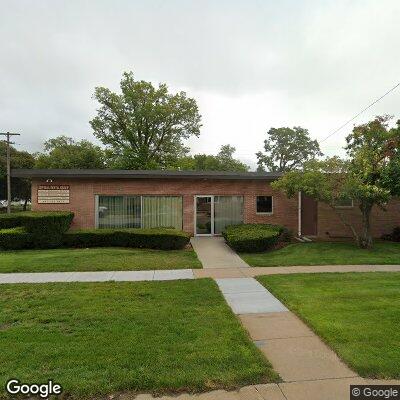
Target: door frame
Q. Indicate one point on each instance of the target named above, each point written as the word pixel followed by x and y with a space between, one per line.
pixel 195 215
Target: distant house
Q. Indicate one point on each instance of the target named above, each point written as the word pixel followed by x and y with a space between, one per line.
pixel 199 202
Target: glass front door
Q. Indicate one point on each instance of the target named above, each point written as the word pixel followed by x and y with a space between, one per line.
pixel 214 213
pixel 204 215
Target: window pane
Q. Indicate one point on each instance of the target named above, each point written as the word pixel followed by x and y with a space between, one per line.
pixel 228 210
pixel 345 202
pixel 264 204
pixel 162 211
pixel 119 212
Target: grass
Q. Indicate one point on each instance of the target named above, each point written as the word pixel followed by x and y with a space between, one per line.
pixel 96 339
pixel 96 259
pixel 325 253
pixel 357 314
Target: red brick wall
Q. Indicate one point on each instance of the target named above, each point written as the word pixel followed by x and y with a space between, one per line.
pixel 83 191
pixel 330 225
pixel 82 202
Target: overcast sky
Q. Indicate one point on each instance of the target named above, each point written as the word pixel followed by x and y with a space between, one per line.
pixel 251 65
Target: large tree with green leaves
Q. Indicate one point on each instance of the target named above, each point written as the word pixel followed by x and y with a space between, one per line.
pixel 65 152
pixel 144 126
pixel 287 149
pixel 20 188
pixel 223 161
pixel 368 175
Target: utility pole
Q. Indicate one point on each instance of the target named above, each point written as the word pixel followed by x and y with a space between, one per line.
pixel 8 142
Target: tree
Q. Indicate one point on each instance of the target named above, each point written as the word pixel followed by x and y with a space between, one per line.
pixel 144 126
pixel 287 149
pixel 223 161
pixel 20 188
pixel 65 152
pixel 368 176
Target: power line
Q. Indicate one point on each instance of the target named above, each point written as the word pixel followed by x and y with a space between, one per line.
pixel 364 109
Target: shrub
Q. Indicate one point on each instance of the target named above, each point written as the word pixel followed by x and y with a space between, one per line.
pixel 10 220
pixel 157 238
pixel 46 228
pixel 15 239
pixel 394 236
pixel 254 238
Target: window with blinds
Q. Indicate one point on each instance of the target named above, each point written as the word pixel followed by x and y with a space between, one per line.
pixel 139 212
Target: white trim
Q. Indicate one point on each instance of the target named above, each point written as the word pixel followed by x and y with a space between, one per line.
pixel 272 204
pixel 195 215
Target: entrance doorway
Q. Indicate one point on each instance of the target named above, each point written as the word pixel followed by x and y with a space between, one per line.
pixel 214 213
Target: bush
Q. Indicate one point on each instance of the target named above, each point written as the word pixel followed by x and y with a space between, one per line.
pixel 15 239
pixel 46 228
pixel 10 220
pixel 254 238
pixel 394 236
pixel 157 238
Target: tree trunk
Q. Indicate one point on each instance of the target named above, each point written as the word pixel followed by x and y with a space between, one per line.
pixel 25 203
pixel 365 238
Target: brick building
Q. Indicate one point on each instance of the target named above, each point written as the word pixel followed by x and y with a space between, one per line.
pixel 199 202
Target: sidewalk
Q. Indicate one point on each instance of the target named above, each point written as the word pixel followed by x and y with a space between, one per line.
pixel 171 274
pixel 97 276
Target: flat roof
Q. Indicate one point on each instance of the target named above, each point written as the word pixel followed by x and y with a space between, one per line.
pixel 141 174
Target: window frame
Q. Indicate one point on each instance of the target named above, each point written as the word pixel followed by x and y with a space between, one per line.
pixel 272 205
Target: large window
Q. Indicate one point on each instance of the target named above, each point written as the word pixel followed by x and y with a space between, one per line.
pixel 139 212
pixel 162 211
pixel 228 210
pixel 264 204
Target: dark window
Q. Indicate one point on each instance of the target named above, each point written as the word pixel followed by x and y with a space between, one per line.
pixel 264 204
pixel 344 202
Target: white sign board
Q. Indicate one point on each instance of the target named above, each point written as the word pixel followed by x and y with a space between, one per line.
pixel 53 194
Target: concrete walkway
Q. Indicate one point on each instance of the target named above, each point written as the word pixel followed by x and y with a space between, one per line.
pixel 257 271
pixel 99 276
pixel 171 274
pixel 213 252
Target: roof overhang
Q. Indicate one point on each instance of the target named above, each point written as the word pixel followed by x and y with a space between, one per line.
pixel 141 174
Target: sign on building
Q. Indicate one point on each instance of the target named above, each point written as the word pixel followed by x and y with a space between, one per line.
pixel 53 194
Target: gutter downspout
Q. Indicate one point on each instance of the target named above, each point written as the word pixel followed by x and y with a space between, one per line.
pixel 299 215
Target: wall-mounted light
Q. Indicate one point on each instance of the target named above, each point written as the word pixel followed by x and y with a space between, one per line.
pixel 49 180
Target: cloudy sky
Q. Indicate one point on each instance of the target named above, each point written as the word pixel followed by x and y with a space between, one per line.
pixel 251 64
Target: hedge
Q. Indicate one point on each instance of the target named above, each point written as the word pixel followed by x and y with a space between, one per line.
pixel 252 238
pixel 11 220
pixel 46 228
pixel 157 238
pixel 15 239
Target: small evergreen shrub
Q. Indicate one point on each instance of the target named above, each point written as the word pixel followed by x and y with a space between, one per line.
pixel 46 228
pixel 15 239
pixel 253 238
pixel 157 238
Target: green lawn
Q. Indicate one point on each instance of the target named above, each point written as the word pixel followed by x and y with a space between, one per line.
pixel 325 253
pixel 357 314
pixel 100 338
pixel 96 259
